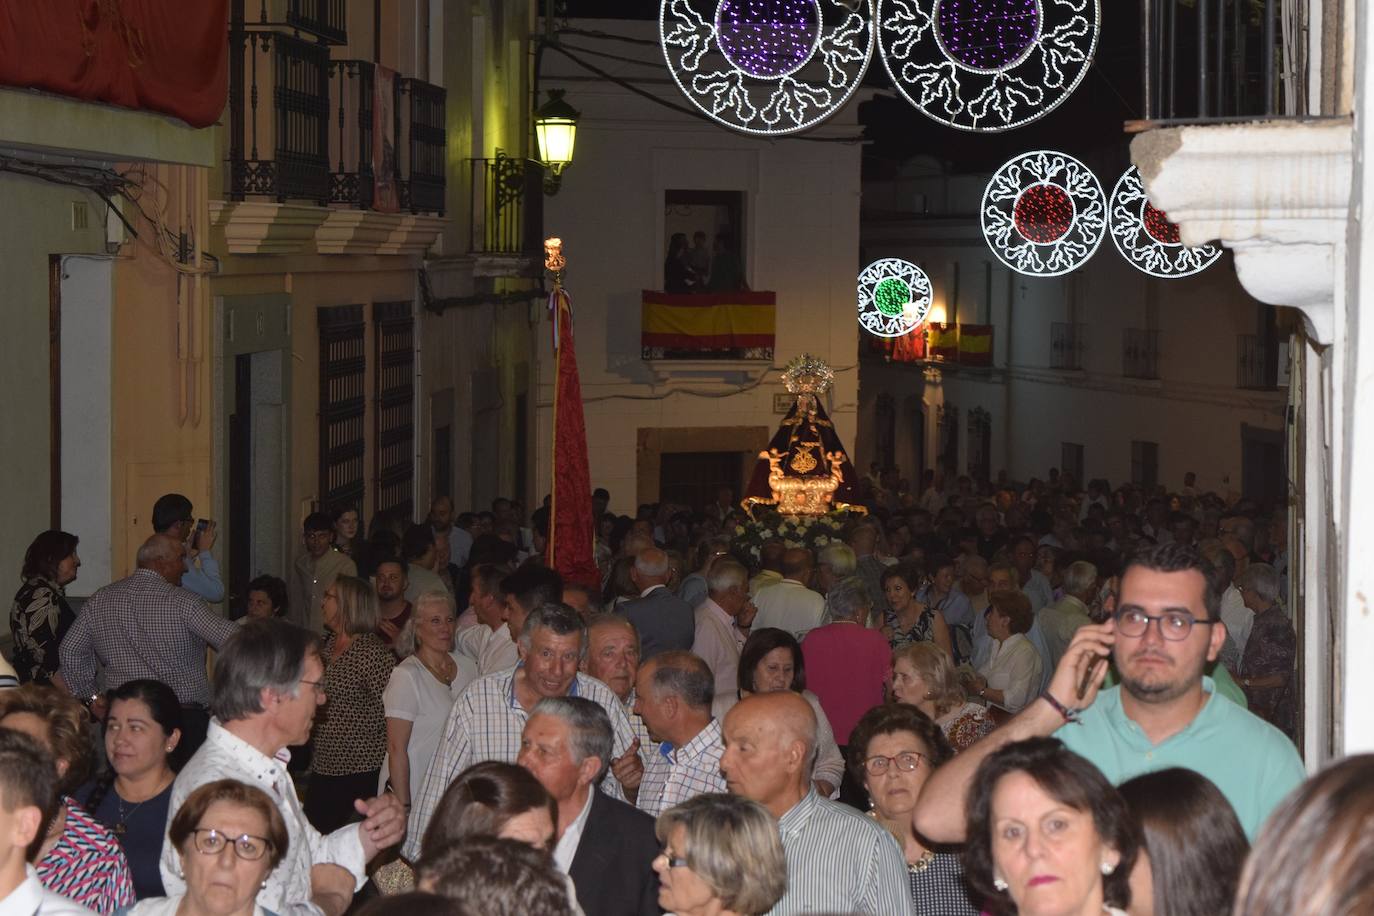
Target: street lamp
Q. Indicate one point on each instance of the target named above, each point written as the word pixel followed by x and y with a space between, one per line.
pixel 555 129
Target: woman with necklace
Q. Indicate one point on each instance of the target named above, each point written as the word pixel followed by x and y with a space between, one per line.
pixel 923 677
pixel 350 732
pixel 421 692
pixel 142 730
pixel 892 752
pixel 907 619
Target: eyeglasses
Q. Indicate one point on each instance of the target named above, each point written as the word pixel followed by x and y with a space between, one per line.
pixel 1173 625
pixel 317 686
pixel 905 761
pixel 211 842
pixel 672 860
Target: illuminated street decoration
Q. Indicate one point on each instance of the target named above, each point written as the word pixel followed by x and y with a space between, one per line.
pixel 768 67
pixel 1044 213
pixel 987 65
pixel 894 297
pixel 1147 238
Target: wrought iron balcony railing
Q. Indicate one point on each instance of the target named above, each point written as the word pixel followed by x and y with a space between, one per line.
pixel 320 19
pixel 1140 353
pixel 1257 365
pixel 350 94
pixel 278 116
pixel 507 206
pixel 1067 343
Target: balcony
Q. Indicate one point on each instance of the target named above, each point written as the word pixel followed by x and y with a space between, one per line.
pixel 324 20
pixel 1257 365
pixel 507 217
pixel 694 338
pixel 306 132
pixel 1068 340
pixel 947 346
pixel 1140 353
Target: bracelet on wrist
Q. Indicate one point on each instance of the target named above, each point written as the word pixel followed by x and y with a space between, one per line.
pixel 1068 712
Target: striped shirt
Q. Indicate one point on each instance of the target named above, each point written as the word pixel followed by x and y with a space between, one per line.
pixel 143 627
pixel 839 861
pixel 485 724
pixel 87 865
pixel 673 776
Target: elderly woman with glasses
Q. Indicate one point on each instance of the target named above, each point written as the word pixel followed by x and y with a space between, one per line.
pixel 722 856
pixel 228 836
pixel 892 752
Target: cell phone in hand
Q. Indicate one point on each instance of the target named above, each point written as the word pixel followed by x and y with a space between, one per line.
pixel 1083 685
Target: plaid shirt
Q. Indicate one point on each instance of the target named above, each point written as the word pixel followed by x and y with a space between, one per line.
pixel 673 776
pixel 143 627
pixel 485 724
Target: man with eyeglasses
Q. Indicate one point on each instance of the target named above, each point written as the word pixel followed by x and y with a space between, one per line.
pixel 1165 713
pixel 267 688
pixel 314 571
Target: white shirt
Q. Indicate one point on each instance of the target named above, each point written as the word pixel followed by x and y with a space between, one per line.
pixel 417 696
pixel 422 580
pixel 31 898
pixel 1238 618
pixel 492 651
pixel 566 849
pixel 718 643
pixel 1014 668
pixel 287 889
pixel 789 606
pixel 459 546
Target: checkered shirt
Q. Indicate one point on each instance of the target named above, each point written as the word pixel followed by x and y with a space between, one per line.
pixel 485 724
pixel 143 627
pixel 673 776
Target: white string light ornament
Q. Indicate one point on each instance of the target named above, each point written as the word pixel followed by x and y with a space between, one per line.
pixel 1044 213
pixel 987 65
pixel 1147 239
pixel 770 67
pixel 894 297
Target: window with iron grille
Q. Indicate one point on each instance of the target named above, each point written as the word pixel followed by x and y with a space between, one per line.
pixel 1067 342
pixel 393 459
pixel 980 444
pixel 343 377
pixel 1144 464
pixel 1140 353
pixel 948 421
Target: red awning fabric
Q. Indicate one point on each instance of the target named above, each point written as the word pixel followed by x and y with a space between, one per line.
pixel 169 56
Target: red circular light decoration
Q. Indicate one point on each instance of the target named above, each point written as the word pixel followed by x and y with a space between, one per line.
pixel 1043 213
pixel 1159 227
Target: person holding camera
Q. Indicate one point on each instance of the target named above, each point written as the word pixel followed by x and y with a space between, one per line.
pixel 173 516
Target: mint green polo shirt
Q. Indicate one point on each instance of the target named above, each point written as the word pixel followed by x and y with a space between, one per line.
pixel 1226 685
pixel 1250 761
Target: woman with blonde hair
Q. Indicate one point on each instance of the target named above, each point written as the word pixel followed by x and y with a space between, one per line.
pixel 350 732
pixel 923 676
pixel 722 856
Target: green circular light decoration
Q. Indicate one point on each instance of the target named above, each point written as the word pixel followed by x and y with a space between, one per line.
pixel 891 297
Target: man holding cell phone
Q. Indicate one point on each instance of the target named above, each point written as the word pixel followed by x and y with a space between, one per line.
pixel 173 516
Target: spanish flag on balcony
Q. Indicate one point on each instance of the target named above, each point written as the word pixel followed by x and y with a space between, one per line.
pixel 740 320
pixel 975 345
pixel 943 341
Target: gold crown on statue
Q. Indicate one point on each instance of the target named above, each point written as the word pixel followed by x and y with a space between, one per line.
pixel 807 374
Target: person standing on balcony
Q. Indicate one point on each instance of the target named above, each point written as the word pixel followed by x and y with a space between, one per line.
pixel 727 272
pixel 677 273
pixel 699 257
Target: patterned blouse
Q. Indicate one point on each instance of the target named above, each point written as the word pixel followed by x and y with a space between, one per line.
pixel 965 725
pixel 350 729
pixel 87 866
pixel 939 889
pixel 39 619
pixel 922 631
pixel 1271 651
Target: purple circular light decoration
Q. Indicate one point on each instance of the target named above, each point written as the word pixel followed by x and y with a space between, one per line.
pixel 768 39
pixel 988 34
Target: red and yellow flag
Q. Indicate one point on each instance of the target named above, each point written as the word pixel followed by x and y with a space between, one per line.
pixel 571 527
pixel 975 345
pixel 738 320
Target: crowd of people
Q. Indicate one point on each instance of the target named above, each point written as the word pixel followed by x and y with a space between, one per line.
pixel 981 699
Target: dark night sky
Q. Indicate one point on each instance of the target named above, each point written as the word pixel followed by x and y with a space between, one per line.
pixel 1087 125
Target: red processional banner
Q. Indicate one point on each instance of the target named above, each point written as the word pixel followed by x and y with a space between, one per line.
pixel 168 56
pixel 571 527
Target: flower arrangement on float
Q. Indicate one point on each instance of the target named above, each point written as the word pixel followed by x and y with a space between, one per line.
pixel 812 531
